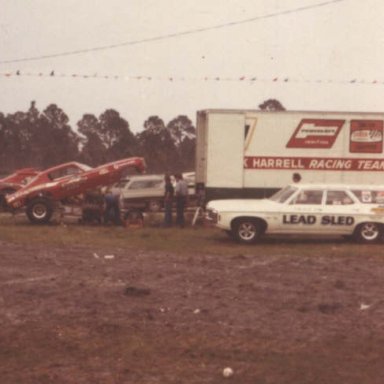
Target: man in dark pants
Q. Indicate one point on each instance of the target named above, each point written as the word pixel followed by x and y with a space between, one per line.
pixel 168 200
pixel 181 192
pixel 111 208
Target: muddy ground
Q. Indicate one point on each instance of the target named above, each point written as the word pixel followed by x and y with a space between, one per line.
pixel 307 312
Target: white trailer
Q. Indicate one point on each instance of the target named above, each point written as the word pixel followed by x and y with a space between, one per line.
pixel 245 153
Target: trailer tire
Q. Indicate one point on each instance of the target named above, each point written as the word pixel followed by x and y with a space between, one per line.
pixel 247 230
pixel 368 232
pixel 39 210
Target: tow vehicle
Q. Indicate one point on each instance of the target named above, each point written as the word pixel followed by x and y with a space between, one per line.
pixel 146 192
pixel 305 209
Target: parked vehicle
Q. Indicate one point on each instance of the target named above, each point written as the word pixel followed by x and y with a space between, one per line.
pixel 142 192
pixel 251 154
pixel 15 181
pixel 301 209
pixel 146 192
pixel 20 177
pixel 65 181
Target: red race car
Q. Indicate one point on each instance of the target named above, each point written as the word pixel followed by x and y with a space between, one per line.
pixel 59 183
pixel 15 181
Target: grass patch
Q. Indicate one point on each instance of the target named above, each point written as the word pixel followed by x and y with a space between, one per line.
pixel 189 240
pixel 150 237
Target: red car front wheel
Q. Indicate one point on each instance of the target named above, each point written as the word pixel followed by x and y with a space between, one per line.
pixel 39 210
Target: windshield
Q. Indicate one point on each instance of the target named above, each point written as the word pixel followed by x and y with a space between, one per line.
pixel 284 194
pixel 84 167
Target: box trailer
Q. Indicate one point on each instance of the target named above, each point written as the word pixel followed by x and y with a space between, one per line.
pixel 245 153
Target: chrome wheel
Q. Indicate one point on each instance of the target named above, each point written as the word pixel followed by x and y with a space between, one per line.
pixel 39 210
pixel 368 232
pixel 247 230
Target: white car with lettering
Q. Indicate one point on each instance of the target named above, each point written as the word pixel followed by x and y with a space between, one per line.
pixel 313 209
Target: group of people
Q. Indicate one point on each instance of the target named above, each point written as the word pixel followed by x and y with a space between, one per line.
pixel 177 194
pixel 101 206
pixel 104 206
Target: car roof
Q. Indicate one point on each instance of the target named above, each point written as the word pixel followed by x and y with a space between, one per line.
pixel 147 177
pixel 337 185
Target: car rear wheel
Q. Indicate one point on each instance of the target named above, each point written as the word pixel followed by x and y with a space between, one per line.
pixel 368 233
pixel 247 230
pixel 39 210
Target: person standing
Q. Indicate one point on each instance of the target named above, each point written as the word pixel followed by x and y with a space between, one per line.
pixel 181 192
pixel 169 192
pixel 111 207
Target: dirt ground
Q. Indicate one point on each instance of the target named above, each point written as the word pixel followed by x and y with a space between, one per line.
pixel 287 312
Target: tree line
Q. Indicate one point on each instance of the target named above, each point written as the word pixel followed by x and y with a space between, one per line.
pixel 44 139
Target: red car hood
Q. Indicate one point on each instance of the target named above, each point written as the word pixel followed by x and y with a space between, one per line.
pixel 73 185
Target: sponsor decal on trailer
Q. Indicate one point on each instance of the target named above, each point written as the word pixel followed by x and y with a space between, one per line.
pixel 366 136
pixel 315 133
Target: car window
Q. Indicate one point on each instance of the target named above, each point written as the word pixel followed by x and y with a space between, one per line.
pixel 143 184
pixel 369 196
pixel 27 180
pixel 63 172
pixel 338 198
pixel 308 197
pixel 121 183
pixel 190 179
pixel 283 195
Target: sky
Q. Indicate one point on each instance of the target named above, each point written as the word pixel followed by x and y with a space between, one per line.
pixel 172 57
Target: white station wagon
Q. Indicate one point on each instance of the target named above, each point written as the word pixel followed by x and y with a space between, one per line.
pixel 313 209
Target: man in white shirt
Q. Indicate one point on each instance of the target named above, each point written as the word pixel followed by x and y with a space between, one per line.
pixel 181 193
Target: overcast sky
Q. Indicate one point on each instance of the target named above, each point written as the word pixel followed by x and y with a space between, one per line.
pixel 309 54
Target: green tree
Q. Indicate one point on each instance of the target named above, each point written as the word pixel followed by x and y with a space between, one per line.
pixel 106 139
pixel 183 134
pixel 271 105
pixel 55 137
pixel 116 135
pixel 17 135
pixel 93 150
pixel 181 128
pixel 3 144
pixel 157 146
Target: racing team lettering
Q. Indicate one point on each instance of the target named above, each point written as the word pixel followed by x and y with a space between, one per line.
pixel 313 163
pixel 324 220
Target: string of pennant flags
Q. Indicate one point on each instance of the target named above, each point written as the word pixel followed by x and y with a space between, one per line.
pixel 249 79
